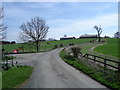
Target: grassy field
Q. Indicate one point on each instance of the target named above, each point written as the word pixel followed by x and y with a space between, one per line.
pixel 44 45
pixel 15 76
pixel 111 48
pixel 111 79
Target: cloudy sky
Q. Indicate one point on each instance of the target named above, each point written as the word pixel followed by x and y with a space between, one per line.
pixel 63 18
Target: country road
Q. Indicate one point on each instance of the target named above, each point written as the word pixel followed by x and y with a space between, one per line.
pixel 50 71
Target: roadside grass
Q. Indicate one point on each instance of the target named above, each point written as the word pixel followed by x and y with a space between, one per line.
pixel 0 80
pixel 44 45
pixel 111 48
pixel 15 76
pixel 110 80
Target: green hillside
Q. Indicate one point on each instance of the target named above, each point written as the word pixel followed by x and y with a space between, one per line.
pixel 111 48
pixel 45 45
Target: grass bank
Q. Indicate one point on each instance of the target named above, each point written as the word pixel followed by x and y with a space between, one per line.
pixel 15 76
pixel 110 80
pixel 111 48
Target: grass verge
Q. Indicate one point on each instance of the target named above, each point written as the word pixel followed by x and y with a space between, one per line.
pixel 0 80
pixel 110 80
pixel 15 76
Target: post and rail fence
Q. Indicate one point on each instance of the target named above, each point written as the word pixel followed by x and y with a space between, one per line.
pixel 114 64
pixel 7 60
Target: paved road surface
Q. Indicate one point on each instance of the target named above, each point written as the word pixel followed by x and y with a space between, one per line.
pixel 52 72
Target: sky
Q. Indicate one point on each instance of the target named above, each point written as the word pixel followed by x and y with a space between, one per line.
pixel 63 18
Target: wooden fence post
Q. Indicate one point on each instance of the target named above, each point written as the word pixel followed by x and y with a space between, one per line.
pixel 12 61
pixel 87 55
pixel 94 58
pixel 81 54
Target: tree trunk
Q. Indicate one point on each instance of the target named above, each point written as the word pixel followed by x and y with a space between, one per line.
pixel 99 37
pixel 37 46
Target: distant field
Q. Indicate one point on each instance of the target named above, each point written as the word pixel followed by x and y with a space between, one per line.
pixel 111 48
pixel 44 45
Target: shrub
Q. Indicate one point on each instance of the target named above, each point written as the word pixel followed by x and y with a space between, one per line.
pixel 75 51
pixel 48 43
pixel 56 46
pixel 71 44
pixel 61 45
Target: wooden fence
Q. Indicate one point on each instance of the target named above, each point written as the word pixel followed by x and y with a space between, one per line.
pixel 106 62
pixel 7 59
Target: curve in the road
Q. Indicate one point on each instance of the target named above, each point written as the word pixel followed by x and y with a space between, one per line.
pixel 50 71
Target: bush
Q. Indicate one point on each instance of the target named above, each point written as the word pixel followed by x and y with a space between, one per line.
pixel 48 43
pixel 71 44
pixel 75 51
pixel 56 46
pixel 5 66
pixel 61 45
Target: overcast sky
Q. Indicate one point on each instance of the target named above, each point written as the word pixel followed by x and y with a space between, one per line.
pixel 63 18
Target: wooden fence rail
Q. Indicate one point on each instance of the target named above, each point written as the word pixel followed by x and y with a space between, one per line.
pixel 106 62
pixel 7 58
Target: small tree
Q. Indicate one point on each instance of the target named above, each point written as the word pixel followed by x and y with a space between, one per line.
pixel 75 51
pixel 2 26
pixel 35 30
pixel 61 45
pixel 2 30
pixel 99 31
pixel 117 34
pixel 55 46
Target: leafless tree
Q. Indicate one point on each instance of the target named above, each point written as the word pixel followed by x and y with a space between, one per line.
pixel 99 31
pixel 2 26
pixel 35 30
pixel 75 51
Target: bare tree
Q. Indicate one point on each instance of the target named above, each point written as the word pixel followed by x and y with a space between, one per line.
pixel 99 31
pixel 2 26
pixel 75 51
pixel 35 30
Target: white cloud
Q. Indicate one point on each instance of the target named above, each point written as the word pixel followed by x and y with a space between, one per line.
pixel 12 11
pixel 75 27
pixel 12 35
pixel 59 27
pixel 40 5
pixel 102 8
